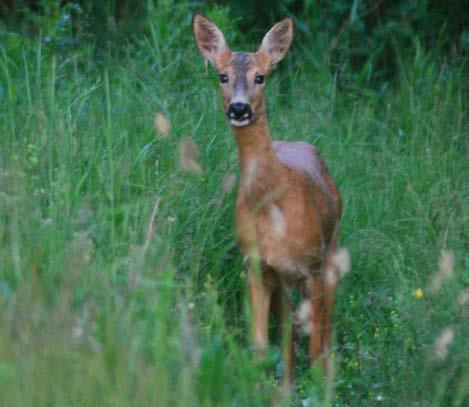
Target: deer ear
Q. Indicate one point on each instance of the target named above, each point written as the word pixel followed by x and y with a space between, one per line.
pixel 209 39
pixel 277 42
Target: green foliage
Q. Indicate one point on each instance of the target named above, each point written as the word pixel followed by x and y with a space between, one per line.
pixel 364 40
pixel 120 280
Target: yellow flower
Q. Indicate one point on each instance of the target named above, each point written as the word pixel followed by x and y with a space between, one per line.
pixel 418 293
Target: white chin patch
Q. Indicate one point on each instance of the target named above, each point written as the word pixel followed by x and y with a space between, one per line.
pixel 238 123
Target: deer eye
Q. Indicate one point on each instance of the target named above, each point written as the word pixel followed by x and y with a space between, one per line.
pixel 223 78
pixel 259 79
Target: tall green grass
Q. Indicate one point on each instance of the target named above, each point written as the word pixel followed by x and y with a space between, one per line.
pixel 120 280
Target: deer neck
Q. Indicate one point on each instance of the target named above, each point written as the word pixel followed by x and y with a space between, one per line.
pixel 262 174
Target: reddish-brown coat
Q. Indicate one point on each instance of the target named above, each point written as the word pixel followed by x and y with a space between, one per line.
pixel 293 178
pixel 288 207
pixel 307 203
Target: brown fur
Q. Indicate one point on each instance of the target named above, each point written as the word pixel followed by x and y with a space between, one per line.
pixel 288 207
pixel 226 64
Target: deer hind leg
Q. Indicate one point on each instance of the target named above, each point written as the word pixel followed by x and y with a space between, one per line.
pixel 287 335
pixel 260 296
pixel 329 293
pixel 330 285
pixel 316 297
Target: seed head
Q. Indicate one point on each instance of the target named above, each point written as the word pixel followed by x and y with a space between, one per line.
pixel 278 221
pixel 463 297
pixel 161 124
pixel 445 270
pixel 332 275
pixel 188 155
pixel 228 183
pixel 442 343
pixel 303 317
pixel 341 260
pixel 250 176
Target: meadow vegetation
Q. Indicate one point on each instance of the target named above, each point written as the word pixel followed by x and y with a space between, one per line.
pixel 120 280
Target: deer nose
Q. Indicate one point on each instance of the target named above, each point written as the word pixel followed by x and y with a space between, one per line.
pixel 239 111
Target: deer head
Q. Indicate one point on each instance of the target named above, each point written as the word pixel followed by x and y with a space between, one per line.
pixel 242 74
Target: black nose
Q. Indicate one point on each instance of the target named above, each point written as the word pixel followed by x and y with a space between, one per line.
pixel 239 111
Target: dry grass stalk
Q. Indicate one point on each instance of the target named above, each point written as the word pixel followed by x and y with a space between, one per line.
pixel 189 345
pixel 151 225
pixel 463 301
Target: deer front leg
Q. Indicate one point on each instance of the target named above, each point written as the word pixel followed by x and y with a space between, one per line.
pixel 260 295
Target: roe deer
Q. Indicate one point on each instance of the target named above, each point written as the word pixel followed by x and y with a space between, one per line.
pixel 288 207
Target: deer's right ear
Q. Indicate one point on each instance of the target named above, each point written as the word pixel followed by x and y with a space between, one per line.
pixel 209 39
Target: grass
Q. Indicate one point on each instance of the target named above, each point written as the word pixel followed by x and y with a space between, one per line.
pixel 120 280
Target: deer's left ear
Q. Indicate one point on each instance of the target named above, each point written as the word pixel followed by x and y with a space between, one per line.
pixel 209 39
pixel 277 42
